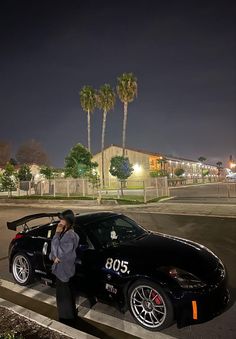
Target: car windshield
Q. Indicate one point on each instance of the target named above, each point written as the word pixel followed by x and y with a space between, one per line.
pixel 114 231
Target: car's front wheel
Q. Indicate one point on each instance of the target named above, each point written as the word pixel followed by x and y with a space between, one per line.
pixel 150 305
pixel 22 269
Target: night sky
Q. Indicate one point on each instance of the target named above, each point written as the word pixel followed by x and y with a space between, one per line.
pixel 182 52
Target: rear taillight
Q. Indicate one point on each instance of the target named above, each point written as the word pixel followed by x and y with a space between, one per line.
pixel 18 236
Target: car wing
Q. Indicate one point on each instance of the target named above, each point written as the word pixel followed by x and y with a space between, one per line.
pixel 12 225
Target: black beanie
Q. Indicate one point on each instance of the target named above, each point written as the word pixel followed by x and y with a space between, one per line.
pixel 68 216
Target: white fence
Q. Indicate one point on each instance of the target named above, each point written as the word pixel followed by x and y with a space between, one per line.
pixel 130 189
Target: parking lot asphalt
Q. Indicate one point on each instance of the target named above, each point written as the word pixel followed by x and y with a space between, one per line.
pixel 219 234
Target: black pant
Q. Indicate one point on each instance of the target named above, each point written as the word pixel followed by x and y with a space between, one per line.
pixel 66 306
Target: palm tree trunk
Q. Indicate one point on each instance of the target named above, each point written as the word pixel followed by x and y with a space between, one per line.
pixel 103 141
pixel 89 143
pixel 124 127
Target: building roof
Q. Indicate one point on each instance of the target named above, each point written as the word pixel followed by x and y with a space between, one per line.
pixel 158 154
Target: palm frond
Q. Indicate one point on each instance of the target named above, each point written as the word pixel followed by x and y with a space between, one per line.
pixel 106 98
pixel 88 98
pixel 127 87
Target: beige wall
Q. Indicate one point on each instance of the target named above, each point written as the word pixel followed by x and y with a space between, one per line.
pixel 139 160
pixel 141 163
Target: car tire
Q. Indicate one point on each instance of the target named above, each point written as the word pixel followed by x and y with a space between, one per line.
pixel 150 306
pixel 21 269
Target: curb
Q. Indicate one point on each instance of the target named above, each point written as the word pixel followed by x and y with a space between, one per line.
pixel 193 185
pixel 109 320
pixel 136 208
pixel 41 320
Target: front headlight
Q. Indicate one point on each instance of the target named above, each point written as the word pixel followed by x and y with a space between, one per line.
pixel 186 279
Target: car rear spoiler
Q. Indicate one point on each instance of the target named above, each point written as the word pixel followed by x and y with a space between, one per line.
pixel 12 225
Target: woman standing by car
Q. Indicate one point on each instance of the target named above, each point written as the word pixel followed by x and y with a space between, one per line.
pixel 63 255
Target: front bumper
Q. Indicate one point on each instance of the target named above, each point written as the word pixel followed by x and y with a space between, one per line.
pixel 198 306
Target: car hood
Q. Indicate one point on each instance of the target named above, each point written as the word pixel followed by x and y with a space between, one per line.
pixel 163 250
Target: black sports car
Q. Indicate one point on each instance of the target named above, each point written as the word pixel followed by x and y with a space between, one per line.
pixel 158 277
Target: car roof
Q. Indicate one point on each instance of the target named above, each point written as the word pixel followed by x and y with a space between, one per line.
pixel 90 217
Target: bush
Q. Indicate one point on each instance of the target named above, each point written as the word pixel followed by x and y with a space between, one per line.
pixel 11 335
pixel 159 173
pixel 179 172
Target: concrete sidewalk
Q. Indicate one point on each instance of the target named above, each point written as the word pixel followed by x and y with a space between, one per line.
pixel 195 209
pixel 224 210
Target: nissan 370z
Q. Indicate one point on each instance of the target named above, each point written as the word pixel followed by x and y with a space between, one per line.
pixel 160 279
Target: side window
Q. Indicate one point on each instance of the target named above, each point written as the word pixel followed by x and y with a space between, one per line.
pixel 44 232
pixel 83 238
pixel 122 223
pixel 113 232
pixel 47 231
pixel 100 233
pixel 124 229
pixel 51 231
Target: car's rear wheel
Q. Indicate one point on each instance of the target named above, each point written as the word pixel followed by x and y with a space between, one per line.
pixel 22 269
pixel 150 305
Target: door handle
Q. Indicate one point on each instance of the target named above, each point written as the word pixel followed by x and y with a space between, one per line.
pixel 45 248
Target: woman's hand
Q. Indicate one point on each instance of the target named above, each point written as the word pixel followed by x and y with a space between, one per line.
pixel 60 227
pixel 56 261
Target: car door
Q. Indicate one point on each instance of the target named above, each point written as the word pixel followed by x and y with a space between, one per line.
pixel 95 261
pixel 42 240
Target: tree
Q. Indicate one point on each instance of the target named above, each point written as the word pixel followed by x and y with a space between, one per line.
pixel 24 173
pixel 202 160
pixel 106 102
pixel 25 176
pixel 159 173
pixel 121 168
pixel 8 179
pixel 205 172
pixel 127 88
pixel 179 172
pixel 94 179
pixel 5 153
pixel 47 172
pixel 13 161
pixel 88 104
pixel 78 162
pixel 31 152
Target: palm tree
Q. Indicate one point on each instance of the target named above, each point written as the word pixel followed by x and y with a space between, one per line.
pixel 202 159
pixel 88 103
pixel 127 87
pixel 105 101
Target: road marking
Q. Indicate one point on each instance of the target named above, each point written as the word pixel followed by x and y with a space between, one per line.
pixel 32 293
pixel 91 314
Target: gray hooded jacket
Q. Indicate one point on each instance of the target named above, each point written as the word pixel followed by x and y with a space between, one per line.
pixel 64 248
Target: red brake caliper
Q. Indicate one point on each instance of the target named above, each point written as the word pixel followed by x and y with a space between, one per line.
pixel 155 297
